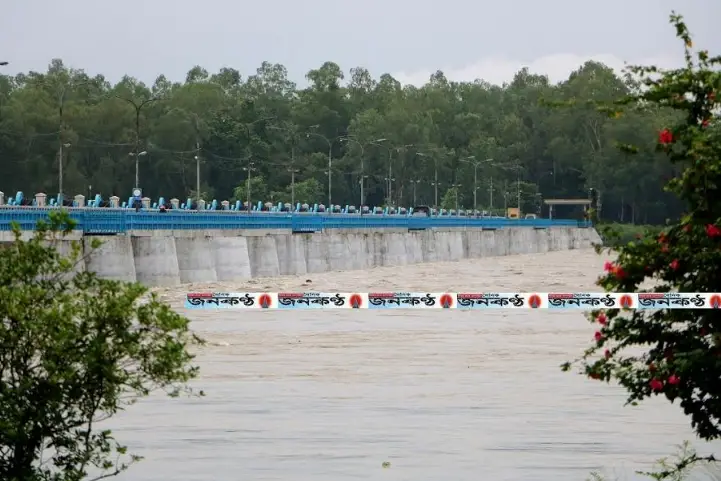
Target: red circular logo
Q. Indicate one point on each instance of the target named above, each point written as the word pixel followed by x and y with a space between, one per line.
pixel 356 301
pixel 626 301
pixel 715 301
pixel 534 301
pixel 446 301
pixel 265 301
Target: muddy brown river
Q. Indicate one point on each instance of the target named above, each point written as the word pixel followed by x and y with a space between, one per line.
pixel 440 395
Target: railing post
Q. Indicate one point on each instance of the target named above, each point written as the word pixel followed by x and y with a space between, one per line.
pixel 41 199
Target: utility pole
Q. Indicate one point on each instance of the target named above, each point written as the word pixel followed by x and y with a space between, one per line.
pixel 292 171
pixel 435 182
pixel 249 169
pixel 389 179
pixel 415 183
pixel 138 108
pixel 477 163
pixel 61 156
pixel 61 131
pixel 435 193
pixel 456 187
pixel 490 194
pixel 197 171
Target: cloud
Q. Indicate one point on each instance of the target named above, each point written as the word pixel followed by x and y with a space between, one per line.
pixel 557 67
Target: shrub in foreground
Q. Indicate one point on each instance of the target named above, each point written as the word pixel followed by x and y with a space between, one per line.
pixel 672 353
pixel 75 350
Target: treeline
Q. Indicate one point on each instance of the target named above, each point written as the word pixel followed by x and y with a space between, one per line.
pixel 390 143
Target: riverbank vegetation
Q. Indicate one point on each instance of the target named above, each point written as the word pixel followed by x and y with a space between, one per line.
pixel 616 234
pixel 412 144
pixel 674 353
pixel 75 350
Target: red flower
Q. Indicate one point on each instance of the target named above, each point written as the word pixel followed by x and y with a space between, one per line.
pixel 608 266
pixel 607 354
pixel 673 380
pixel 665 137
pixel 656 385
pixel 664 248
pixel 705 123
pixel 674 264
pixel 662 238
pixel 687 228
pixel 619 272
pixel 713 231
pixel 602 319
pixel 598 336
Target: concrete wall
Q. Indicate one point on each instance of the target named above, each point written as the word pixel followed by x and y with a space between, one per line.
pixel 164 258
pixel 168 258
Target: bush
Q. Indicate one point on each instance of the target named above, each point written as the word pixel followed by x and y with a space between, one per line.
pixel 672 353
pixel 617 235
pixel 75 350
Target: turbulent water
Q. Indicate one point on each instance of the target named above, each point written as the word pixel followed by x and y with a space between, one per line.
pixel 445 395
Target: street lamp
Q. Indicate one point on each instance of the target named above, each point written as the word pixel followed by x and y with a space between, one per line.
pixel 330 164
pixel 138 108
pixel 249 169
pixel 60 169
pixel 415 183
pixel 476 163
pixel 435 185
pixel 456 187
pixel 291 168
pixel 137 156
pixel 362 173
pixel 435 177
pixel 518 169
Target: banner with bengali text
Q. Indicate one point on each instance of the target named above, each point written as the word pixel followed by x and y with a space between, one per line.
pixel 449 300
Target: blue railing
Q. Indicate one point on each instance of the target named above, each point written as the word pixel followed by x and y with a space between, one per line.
pixel 117 221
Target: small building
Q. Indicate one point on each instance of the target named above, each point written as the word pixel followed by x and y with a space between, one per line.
pixel 586 203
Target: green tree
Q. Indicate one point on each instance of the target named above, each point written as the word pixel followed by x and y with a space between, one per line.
pixel 75 350
pixel 221 123
pixel 672 353
pixel 258 190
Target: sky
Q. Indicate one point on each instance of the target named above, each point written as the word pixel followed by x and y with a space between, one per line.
pixel 466 39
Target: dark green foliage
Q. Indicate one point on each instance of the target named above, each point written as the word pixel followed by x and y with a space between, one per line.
pixel 229 122
pixel 672 353
pixel 74 350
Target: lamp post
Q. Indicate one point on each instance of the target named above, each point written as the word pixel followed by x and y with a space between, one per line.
pixel 291 168
pixel 250 168
pixel 415 184
pixel 477 163
pixel 60 167
pixel 138 106
pixel 435 178
pixel 330 164
pixel 362 172
pixel 62 143
pixel 137 156
pixel 455 189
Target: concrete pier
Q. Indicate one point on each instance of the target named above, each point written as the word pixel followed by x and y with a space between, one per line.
pixel 167 258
